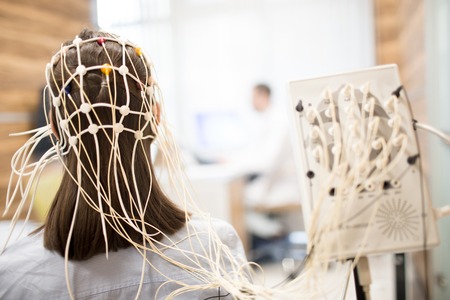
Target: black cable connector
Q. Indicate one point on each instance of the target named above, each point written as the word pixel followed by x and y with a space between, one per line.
pixel 310 174
pixel 397 91
pixel 299 106
pixel 412 159
pixel 332 192
pixel 414 122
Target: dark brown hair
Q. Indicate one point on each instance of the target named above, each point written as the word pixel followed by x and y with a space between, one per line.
pixel 87 238
pixel 262 87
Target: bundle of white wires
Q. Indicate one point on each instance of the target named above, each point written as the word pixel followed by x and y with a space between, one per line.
pixel 349 164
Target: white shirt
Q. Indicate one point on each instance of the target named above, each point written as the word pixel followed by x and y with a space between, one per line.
pixel 269 153
pixel 29 271
pixel 266 139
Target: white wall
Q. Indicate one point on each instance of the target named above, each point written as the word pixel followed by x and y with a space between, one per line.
pixel 438 97
pixel 209 53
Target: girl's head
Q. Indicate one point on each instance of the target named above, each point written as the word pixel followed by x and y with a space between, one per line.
pixel 105 114
pixel 96 81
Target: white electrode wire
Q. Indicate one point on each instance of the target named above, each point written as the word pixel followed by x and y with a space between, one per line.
pixel 443 136
pixel 23 200
pixel 445 210
pixel 23 157
pixel 368 147
pixel 35 182
pixel 337 156
pixel 69 236
pixel 386 148
pixel 442 212
pixel 138 246
pixel 212 262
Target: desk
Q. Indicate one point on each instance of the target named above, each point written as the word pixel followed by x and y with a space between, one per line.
pixel 279 209
pixel 218 190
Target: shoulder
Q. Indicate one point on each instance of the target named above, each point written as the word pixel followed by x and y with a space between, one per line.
pixel 206 229
pixel 204 236
pixel 25 263
pixel 206 223
pixel 28 247
pixel 222 229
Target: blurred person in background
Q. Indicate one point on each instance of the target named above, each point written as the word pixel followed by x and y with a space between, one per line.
pixel 267 160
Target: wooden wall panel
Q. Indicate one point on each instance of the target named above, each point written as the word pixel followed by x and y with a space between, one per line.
pixel 400 39
pixel 31 32
pixel 400 29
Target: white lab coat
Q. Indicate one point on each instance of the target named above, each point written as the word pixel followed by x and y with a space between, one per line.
pixel 269 153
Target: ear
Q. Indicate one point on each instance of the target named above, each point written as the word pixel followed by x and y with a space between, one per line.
pixel 52 124
pixel 156 110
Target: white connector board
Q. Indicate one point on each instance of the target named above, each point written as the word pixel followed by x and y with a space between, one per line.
pixel 359 165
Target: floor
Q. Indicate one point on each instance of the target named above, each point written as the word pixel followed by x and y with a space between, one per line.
pixel 381 270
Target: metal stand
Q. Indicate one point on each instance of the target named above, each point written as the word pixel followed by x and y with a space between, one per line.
pixel 362 279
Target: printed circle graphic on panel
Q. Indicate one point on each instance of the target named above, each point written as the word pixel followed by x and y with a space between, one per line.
pixel 397 219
